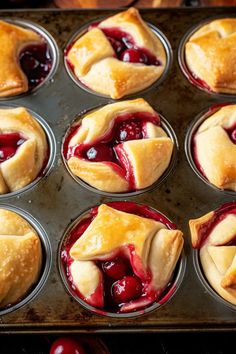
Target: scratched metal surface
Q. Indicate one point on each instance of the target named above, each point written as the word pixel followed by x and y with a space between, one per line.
pixel 58 199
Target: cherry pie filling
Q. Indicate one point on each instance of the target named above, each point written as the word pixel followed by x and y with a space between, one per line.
pixel 108 149
pixel 36 63
pixel 125 48
pixel 231 131
pixel 9 144
pixel 122 284
pixel 219 215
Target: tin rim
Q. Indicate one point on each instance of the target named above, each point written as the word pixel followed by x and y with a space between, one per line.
pixel 199 119
pixel 206 284
pixel 164 41
pixel 164 124
pixel 178 274
pixel 53 48
pixel 51 140
pixel 183 65
pixel 46 263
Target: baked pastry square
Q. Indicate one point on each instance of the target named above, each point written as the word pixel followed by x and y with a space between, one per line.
pixel 214 235
pixel 119 147
pixel 13 39
pixel 23 149
pixel 210 55
pixel 20 257
pixel 120 247
pixel 214 148
pixel 118 56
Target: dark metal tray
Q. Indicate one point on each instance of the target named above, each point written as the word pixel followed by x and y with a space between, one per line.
pixel 58 199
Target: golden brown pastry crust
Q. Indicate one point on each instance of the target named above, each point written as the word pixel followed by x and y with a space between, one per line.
pixel 22 168
pixel 156 249
pixel 210 55
pixel 12 40
pixel 94 62
pixel 215 151
pixel 148 157
pixel 217 255
pixel 20 257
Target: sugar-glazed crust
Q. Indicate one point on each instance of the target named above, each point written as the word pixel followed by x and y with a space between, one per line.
pixel 20 257
pixel 210 55
pixel 12 40
pixel 214 149
pixel 95 64
pixel 22 168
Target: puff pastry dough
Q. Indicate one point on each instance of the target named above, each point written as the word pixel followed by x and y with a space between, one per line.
pixel 217 250
pixel 28 160
pixel 150 246
pixel 215 150
pixel 13 39
pixel 148 158
pixel 210 55
pixel 20 257
pixel 96 65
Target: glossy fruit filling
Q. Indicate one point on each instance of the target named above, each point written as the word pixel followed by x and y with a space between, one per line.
pixel 126 50
pixel 9 143
pixel 196 81
pixel 219 215
pixel 109 148
pixel 121 283
pixel 36 62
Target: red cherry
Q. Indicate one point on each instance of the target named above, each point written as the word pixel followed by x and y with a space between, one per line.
pixel 6 152
pixel 9 139
pixel 100 152
pixel 126 289
pixel 115 269
pixel 66 345
pixel 129 131
pixel 117 45
pixel 233 135
pixel 133 56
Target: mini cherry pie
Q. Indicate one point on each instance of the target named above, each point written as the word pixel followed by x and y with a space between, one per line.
pixel 214 147
pixel 118 56
pixel 20 257
pixel 25 59
pixel 214 235
pixel 23 149
pixel 119 147
pixel 210 56
pixel 121 257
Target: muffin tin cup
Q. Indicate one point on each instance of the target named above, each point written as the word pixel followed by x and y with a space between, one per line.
pixel 176 280
pixel 188 145
pixel 46 260
pixel 51 158
pixel 165 125
pixel 156 31
pixel 184 67
pixel 53 48
pixel 205 283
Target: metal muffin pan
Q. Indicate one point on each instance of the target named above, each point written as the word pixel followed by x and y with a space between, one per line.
pixel 58 199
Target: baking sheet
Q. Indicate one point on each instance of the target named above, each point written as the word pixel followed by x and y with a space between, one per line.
pixel 58 199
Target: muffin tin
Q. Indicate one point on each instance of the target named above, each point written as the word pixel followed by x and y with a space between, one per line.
pixel 58 199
